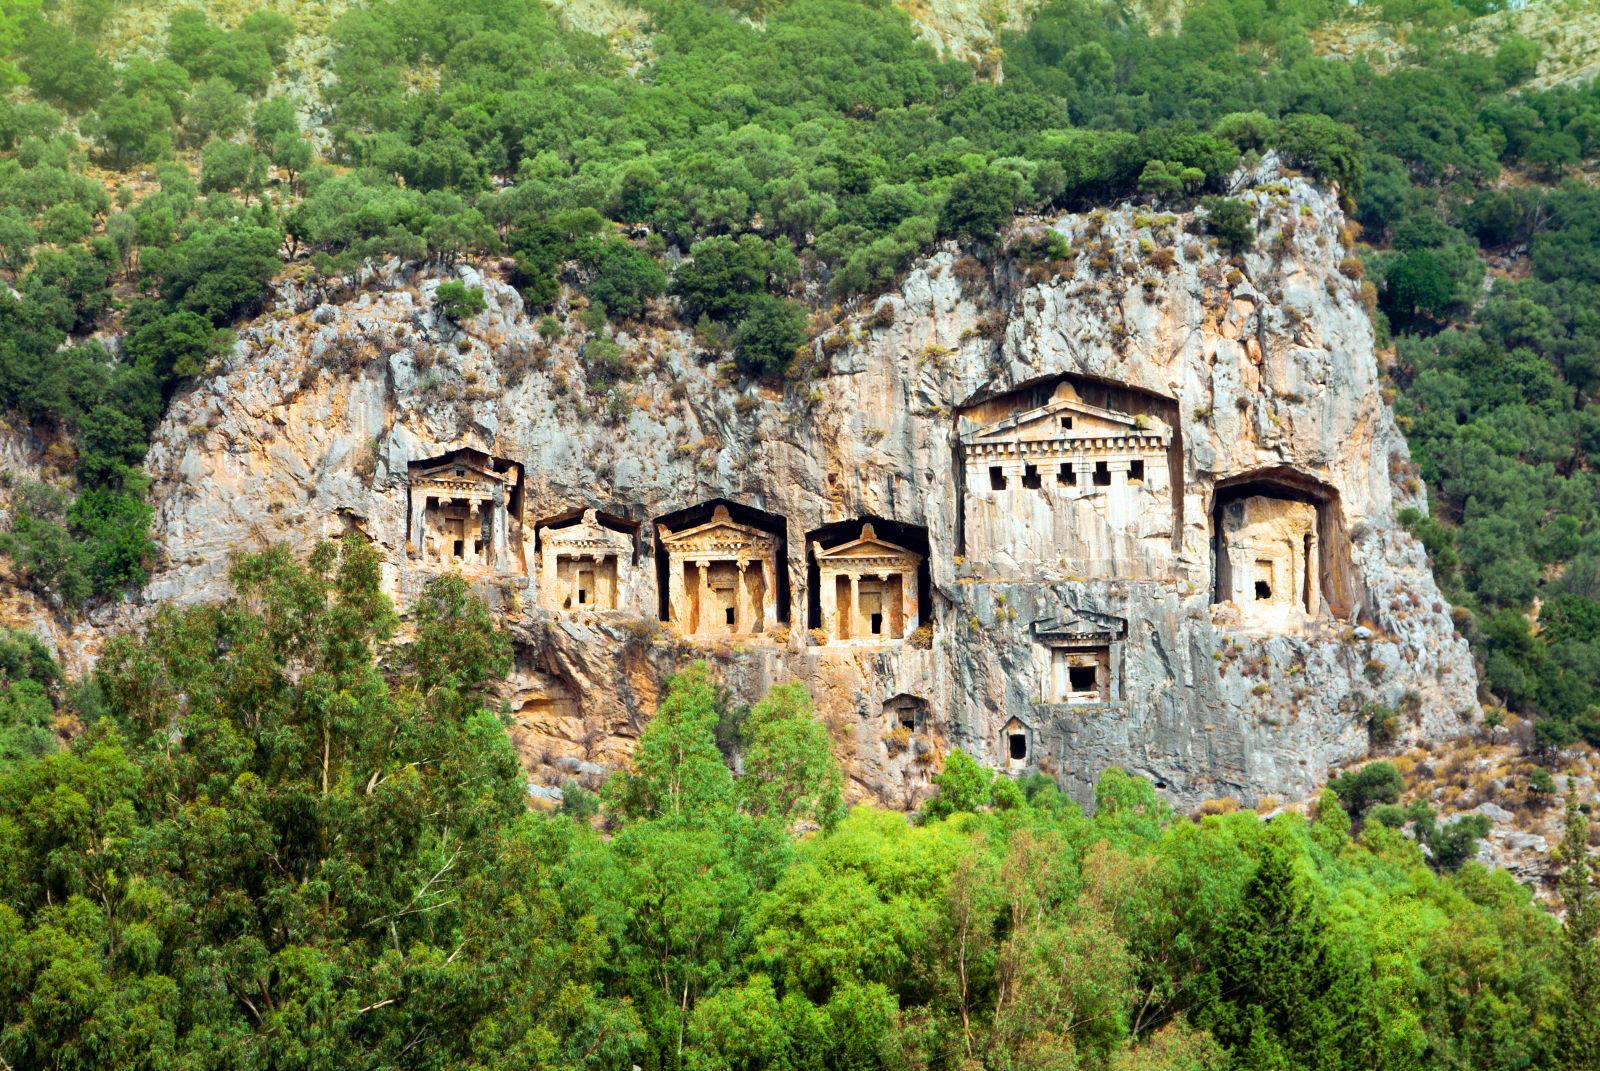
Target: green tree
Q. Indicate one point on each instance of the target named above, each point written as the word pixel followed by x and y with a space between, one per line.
pixel 790 773
pixel 1232 221
pixel 979 204
pixel 963 785
pixel 677 771
pixel 1578 1030
pixel 456 301
pixel 1359 790
pixel 768 335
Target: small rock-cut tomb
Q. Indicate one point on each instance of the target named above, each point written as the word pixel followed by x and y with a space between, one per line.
pixel 1083 658
pixel 868 589
pixel 582 566
pixel 460 511
pixel 721 578
pixel 1269 559
pixel 1068 483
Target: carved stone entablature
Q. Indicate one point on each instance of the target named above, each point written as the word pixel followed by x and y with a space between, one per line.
pixel 584 565
pixel 721 578
pixel 868 589
pixel 460 512
pixel 1081 657
pixel 1069 486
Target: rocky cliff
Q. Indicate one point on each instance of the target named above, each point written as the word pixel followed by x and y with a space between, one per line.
pixel 1259 372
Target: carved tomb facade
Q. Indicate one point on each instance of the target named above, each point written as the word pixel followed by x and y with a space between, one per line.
pixel 1069 488
pixel 868 589
pixel 721 578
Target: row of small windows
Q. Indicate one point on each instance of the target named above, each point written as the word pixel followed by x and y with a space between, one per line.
pixel 1066 475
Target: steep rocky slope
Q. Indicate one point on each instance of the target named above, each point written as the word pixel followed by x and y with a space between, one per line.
pixel 1265 372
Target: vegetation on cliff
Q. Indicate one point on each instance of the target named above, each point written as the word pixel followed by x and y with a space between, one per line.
pixel 288 840
pixel 798 153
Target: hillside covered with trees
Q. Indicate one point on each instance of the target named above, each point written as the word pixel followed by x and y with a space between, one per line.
pixel 283 838
pixel 337 869
pixel 802 154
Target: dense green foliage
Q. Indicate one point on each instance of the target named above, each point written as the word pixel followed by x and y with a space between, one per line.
pixel 288 840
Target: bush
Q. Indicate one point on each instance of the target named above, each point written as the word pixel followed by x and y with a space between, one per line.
pixel 456 301
pixel 1232 221
pixel 766 339
pixel 1359 790
pixel 979 204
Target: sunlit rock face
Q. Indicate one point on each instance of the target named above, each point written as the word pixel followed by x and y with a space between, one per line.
pixel 1131 507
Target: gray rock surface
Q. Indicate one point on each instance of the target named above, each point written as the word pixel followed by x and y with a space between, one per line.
pixel 308 430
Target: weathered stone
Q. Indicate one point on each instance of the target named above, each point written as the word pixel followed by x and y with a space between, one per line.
pixel 1264 386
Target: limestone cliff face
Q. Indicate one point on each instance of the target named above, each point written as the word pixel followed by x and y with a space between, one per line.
pixel 1261 378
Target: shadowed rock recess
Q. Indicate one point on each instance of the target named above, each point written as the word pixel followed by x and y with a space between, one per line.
pixel 1129 507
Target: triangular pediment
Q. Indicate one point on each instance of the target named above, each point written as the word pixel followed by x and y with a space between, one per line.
pixel 868 545
pixel 589 531
pixel 720 529
pixel 475 467
pixel 1080 625
pixel 1046 422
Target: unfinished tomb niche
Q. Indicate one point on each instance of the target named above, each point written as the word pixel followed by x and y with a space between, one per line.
pixel 908 712
pixel 722 574
pixel 1080 658
pixel 1281 557
pixel 586 563
pixel 465 512
pixel 866 581
pixel 1017 746
pixel 1071 475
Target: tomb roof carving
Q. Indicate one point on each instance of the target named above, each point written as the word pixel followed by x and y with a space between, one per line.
pixel 864 550
pixel 1044 424
pixel 721 535
pixel 589 534
pixel 1080 626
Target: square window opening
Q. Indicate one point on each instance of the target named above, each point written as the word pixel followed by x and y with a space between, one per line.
pixel 1030 477
pixel 1018 745
pixel 1082 678
pixel 1136 472
pixel 1066 423
pixel 728 615
pixel 1066 477
pixel 1263 591
pixel 997 478
pixel 1102 474
pixel 457 548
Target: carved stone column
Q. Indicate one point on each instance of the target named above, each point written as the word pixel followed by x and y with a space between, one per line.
pixel 549 592
pixel 419 512
pixel 741 599
pixel 855 606
pixel 499 531
pixel 908 602
pixel 769 600
pixel 702 597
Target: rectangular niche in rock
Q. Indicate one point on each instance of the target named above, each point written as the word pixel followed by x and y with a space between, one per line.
pixel 1083 658
pixel 1069 483
pixel 721 577
pixel 867 588
pixel 463 506
pixel 1268 560
pixel 586 565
